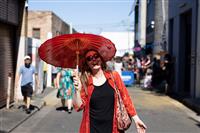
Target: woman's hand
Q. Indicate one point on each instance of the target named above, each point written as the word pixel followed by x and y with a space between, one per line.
pixel 141 127
pixel 77 81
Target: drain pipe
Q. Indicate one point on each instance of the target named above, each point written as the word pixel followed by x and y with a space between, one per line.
pixel 8 92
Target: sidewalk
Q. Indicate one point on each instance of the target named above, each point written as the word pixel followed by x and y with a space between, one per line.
pixel 193 104
pixel 13 117
pixel 190 106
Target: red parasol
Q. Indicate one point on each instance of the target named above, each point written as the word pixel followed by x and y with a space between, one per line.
pixel 67 50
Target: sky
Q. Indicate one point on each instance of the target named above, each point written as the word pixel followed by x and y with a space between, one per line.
pixel 90 16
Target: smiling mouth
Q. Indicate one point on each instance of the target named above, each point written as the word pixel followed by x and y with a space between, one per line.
pixel 94 64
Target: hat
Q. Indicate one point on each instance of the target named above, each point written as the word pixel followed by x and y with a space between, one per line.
pixel 27 57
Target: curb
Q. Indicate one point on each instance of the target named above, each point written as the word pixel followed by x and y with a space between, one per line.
pixel 26 118
pixel 191 104
pixel 187 105
pixel 49 99
pixel 39 103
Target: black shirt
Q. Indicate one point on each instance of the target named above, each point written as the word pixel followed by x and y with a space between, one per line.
pixel 102 109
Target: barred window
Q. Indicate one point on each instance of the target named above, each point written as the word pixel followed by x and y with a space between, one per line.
pixel 36 33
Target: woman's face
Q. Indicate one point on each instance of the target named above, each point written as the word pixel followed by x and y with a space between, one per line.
pixel 93 60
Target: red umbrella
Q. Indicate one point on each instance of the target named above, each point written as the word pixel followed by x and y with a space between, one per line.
pixel 67 50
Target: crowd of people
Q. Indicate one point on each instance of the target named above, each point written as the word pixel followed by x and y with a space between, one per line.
pixel 150 72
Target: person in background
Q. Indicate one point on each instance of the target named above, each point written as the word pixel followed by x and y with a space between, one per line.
pixel 44 76
pixel 148 79
pixel 118 65
pixel 111 64
pixel 167 72
pixel 66 87
pixel 54 74
pixel 26 72
pixel 157 72
pixel 125 59
pixel 147 63
pixel 95 95
pixel 142 71
pixel 137 69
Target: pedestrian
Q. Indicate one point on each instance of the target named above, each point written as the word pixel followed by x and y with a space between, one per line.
pixel 95 95
pixel 66 87
pixel 118 65
pixel 137 70
pixel 54 74
pixel 26 72
pixel 111 64
pixel 167 73
pixel 45 68
pixel 148 79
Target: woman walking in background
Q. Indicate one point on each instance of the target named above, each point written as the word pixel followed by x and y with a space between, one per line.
pixel 66 87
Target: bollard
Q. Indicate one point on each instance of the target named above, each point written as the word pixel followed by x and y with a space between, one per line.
pixel 8 92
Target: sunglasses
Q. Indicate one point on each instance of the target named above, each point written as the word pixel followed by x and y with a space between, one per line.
pixel 92 57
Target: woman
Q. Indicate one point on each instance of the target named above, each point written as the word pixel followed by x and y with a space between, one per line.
pixel 95 94
pixel 66 87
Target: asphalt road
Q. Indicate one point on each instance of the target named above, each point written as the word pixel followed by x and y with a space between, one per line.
pixel 160 113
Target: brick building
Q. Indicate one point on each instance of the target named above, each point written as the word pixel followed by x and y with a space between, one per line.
pixel 43 23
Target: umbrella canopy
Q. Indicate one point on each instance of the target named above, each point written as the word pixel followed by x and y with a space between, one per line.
pixel 67 50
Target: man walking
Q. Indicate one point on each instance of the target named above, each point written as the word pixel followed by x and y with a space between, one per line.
pixel 27 71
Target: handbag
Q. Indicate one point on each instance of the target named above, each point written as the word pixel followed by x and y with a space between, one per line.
pixel 123 119
pixel 60 93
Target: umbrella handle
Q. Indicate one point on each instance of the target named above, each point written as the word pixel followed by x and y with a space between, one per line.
pixel 77 68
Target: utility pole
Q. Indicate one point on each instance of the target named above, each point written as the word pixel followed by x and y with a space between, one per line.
pixel 142 22
pixel 129 34
pixel 26 27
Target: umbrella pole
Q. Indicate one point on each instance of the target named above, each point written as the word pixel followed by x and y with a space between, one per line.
pixel 77 60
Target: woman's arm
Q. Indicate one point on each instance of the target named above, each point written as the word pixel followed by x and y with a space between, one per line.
pixel 58 80
pixel 141 127
pixel 124 94
pixel 77 100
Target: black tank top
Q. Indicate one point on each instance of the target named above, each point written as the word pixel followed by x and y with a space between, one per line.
pixel 102 109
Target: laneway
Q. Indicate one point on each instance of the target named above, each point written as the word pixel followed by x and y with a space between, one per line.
pixel 160 113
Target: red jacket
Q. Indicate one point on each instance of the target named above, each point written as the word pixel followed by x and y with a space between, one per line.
pixel 85 124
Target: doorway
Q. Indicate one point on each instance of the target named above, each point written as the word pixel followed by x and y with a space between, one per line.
pixel 185 51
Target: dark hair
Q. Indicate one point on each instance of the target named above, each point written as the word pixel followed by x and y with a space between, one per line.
pixel 85 69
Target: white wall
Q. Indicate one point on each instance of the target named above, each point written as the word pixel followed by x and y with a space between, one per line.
pixel 20 61
pixel 124 41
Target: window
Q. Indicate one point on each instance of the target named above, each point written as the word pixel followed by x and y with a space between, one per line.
pixel 36 33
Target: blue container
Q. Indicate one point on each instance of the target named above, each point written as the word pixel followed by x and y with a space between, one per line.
pixel 128 77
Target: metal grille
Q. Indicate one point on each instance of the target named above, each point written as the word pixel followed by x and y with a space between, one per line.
pixel 9 11
pixel 6 60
